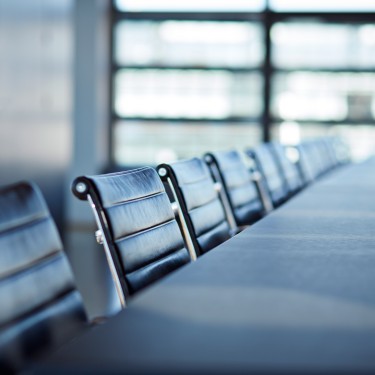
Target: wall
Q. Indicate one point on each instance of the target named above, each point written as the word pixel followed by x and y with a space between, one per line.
pixel 35 95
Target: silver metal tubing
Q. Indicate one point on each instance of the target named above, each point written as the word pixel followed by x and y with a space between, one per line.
pixel 264 196
pixel 177 208
pixel 224 199
pixel 107 252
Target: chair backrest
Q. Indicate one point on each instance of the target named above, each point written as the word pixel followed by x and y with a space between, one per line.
pixel 241 190
pixel 267 165
pixel 341 151
pixel 319 157
pixel 201 209
pixel 140 235
pixel 328 146
pixel 40 306
pixel 312 160
pixel 305 165
pixel 289 170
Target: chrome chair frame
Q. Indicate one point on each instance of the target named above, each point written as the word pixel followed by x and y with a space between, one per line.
pixel 81 188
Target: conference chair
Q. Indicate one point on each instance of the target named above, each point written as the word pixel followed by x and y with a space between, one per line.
pixel 329 149
pixel 289 170
pixel 328 162
pixel 200 208
pixel 136 225
pixel 40 306
pixel 311 161
pixel 265 162
pixel 320 156
pixel 341 151
pixel 244 189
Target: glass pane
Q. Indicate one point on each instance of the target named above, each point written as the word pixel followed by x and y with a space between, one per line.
pixel 188 43
pixel 359 138
pixel 319 45
pixel 168 93
pixel 190 5
pixel 151 143
pixel 324 96
pixel 323 5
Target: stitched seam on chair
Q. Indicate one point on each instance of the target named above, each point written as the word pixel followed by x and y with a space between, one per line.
pixel 253 199
pixel 144 230
pixel 204 177
pixel 30 266
pixel 156 260
pixel 244 182
pixel 211 228
pixel 106 175
pixel 43 306
pixel 215 197
pixel 119 203
pixel 251 202
pixel 231 168
pixel 30 220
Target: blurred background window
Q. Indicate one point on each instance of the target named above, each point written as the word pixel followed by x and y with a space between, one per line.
pixel 182 87
pixel 323 81
pixel 199 75
pixel 322 5
pixel 188 43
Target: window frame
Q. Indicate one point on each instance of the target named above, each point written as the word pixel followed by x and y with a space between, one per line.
pixel 267 18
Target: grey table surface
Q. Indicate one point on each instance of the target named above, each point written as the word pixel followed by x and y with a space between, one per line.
pixel 294 293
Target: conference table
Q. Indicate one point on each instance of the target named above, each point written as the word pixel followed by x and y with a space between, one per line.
pixel 293 293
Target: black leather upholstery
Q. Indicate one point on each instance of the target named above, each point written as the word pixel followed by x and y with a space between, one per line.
pixel 304 164
pixel 312 161
pixel 200 203
pixel 139 225
pixel 340 151
pixel 267 165
pixel 40 306
pixel 288 169
pixel 241 191
pixel 328 147
pixel 317 157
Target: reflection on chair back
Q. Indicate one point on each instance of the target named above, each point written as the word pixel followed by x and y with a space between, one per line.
pixel 140 235
pixel 200 207
pixel 249 202
pixel 40 306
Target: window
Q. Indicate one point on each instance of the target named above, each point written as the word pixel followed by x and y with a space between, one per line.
pixel 323 79
pixel 322 5
pixel 200 75
pixel 182 87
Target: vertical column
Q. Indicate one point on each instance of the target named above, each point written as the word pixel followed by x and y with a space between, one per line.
pixel 90 150
pixel 90 99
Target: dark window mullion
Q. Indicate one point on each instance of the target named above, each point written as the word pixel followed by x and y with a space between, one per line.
pixel 214 121
pixel 188 16
pixel 277 120
pixel 117 67
pixel 324 70
pixel 329 17
pixel 267 76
